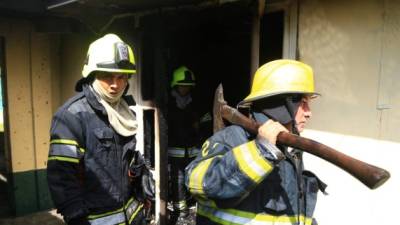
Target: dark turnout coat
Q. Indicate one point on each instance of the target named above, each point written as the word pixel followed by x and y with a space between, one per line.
pixel 88 163
pixel 240 179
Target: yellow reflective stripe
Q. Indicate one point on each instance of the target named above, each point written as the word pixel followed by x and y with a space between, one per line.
pixel 65 159
pixel 67 142
pixel 197 177
pixel 135 213
pixel 180 205
pixel 117 70
pixel 206 202
pixel 251 162
pixel 92 217
pixel 233 216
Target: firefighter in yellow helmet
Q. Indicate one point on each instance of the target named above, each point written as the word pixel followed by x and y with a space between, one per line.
pixel 92 143
pixel 240 178
pixel 182 140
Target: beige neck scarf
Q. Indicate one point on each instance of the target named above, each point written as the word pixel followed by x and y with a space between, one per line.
pixel 121 118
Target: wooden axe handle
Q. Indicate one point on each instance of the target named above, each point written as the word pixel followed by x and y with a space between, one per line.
pixel 370 175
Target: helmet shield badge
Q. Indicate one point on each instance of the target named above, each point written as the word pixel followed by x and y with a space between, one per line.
pixel 121 58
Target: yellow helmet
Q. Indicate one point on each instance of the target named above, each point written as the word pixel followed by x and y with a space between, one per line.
pixel 282 76
pixel 183 76
pixel 109 54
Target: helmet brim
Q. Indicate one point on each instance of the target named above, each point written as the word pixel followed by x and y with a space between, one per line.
pixel 249 99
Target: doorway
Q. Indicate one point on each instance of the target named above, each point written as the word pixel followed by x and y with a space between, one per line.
pixel 214 43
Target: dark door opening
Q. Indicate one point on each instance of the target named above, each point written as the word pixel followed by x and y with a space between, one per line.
pixel 215 44
pixel 271 36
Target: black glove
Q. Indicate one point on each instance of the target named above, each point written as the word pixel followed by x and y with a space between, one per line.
pixel 148 184
pixel 136 166
pixel 78 221
pixel 142 178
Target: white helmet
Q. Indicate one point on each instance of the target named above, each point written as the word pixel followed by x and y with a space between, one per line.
pixel 109 54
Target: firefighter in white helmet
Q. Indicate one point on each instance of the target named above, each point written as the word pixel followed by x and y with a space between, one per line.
pixel 92 143
pixel 240 178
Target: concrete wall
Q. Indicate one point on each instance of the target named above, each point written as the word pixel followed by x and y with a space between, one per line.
pixel 354 49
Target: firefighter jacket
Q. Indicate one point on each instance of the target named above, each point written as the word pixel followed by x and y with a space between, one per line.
pixel 88 163
pixel 182 134
pixel 240 179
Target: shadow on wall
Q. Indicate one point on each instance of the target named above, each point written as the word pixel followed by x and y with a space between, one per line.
pixel 42 218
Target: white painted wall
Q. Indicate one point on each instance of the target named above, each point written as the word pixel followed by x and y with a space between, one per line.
pixel 348 201
pixel 354 48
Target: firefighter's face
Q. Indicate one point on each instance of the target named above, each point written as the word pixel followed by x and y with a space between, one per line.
pixel 113 83
pixel 183 90
pixel 303 113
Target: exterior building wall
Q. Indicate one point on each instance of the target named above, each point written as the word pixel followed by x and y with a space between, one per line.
pixel 354 50
pixel 73 49
pixel 27 59
pixel 37 83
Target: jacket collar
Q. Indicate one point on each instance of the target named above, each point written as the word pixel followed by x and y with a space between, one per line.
pixel 92 100
pixel 95 104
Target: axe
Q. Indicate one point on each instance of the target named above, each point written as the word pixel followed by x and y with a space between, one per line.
pixel 369 175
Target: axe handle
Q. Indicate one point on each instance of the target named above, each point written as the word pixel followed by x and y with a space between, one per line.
pixel 370 175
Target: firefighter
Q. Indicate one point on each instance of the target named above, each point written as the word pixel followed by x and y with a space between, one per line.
pixel 92 143
pixel 182 139
pixel 240 178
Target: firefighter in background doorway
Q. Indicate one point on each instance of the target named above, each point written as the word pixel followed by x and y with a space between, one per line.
pixel 182 139
pixel 240 178
pixel 93 145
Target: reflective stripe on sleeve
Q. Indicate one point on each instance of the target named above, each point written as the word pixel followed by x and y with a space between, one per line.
pixel 65 150
pixel 251 162
pixel 70 151
pixel 197 177
pixel 65 159
pixel 67 142
pixel 232 216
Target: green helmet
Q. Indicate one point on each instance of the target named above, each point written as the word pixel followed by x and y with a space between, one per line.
pixel 109 54
pixel 183 76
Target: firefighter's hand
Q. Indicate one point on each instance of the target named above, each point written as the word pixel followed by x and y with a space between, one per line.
pixel 270 130
pixel 148 185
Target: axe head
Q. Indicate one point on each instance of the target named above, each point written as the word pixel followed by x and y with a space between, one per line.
pixel 219 102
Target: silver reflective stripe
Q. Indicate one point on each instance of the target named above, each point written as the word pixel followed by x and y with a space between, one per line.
pixel 131 210
pixel 221 215
pixel 194 152
pixel 232 216
pixel 180 152
pixel 117 216
pixel 111 219
pixel 250 160
pixel 64 150
pixel 181 205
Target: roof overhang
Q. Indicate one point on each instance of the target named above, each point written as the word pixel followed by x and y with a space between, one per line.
pixel 94 14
